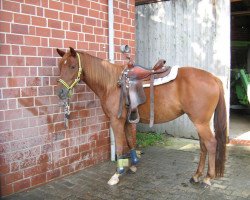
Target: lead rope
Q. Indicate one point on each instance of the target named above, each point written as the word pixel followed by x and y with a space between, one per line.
pixel 66 113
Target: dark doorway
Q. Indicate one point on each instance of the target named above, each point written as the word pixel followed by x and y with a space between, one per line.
pixel 240 60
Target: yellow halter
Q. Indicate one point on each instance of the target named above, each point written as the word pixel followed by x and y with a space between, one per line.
pixel 78 78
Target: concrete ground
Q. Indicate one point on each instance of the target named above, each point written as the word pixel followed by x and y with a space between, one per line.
pixel 239 124
pixel 239 129
pixel 163 173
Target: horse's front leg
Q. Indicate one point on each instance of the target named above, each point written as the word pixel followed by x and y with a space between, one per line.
pixel 119 134
pixel 130 131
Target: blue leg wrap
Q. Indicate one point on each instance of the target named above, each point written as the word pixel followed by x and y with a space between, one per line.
pixel 120 170
pixel 134 158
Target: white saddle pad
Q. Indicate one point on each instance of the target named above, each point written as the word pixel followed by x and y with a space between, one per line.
pixel 171 76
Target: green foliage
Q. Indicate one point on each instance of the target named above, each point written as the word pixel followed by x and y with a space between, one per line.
pixel 240 85
pixel 149 139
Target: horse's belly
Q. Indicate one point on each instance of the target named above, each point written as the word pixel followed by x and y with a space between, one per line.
pixel 160 116
pixel 166 106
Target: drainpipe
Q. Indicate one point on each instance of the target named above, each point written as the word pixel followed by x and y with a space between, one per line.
pixel 111 59
pixel 111 30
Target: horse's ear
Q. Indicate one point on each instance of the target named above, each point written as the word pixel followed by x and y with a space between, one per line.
pixel 72 51
pixel 60 52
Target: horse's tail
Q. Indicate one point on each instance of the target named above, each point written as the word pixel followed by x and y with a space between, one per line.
pixel 220 126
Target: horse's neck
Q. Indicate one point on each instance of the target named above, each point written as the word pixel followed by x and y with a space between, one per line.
pixel 101 76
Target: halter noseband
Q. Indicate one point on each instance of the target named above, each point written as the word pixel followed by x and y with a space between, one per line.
pixel 78 78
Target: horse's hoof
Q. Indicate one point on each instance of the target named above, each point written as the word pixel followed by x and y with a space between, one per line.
pixel 139 153
pixel 204 185
pixel 114 179
pixel 133 169
pixel 192 181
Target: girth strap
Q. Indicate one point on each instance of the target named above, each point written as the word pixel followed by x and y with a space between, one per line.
pixel 120 103
pixel 122 85
pixel 151 122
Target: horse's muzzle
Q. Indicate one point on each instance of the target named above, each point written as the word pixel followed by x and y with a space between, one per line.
pixel 63 93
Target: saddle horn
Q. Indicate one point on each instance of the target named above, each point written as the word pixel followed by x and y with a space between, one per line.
pixel 159 64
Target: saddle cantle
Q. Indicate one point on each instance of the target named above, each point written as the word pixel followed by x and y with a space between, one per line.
pixel 131 82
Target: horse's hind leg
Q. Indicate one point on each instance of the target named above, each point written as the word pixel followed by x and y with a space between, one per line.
pixel 209 143
pixel 201 165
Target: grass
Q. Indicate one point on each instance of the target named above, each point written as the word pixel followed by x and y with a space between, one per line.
pixel 150 139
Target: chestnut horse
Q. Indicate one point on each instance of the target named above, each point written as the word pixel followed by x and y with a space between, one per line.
pixel 195 92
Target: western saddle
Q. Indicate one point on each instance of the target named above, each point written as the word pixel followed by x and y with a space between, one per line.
pixel 131 82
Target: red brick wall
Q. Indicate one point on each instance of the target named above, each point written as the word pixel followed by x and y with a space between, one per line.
pixel 34 145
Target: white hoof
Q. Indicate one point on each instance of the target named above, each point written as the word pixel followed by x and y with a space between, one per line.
pixel 114 179
pixel 138 153
pixel 206 181
pixel 133 168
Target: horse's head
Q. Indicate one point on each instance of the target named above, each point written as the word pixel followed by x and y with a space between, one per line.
pixel 70 72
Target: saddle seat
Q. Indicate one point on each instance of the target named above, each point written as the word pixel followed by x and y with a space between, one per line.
pixel 137 72
pixel 131 83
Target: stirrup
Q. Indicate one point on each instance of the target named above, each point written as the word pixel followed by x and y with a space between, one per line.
pixel 133 116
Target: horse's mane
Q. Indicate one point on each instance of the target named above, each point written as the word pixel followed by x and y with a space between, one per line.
pixel 101 71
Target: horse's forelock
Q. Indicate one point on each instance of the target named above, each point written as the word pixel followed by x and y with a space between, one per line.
pixel 66 59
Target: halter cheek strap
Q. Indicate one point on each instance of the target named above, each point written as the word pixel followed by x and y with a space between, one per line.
pixel 78 78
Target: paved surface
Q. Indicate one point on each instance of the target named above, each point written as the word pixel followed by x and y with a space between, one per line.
pixel 163 173
pixel 239 127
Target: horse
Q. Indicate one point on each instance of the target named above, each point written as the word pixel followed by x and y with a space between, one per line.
pixel 195 92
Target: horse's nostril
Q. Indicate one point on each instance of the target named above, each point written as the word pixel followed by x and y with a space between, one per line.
pixel 63 93
pixel 60 93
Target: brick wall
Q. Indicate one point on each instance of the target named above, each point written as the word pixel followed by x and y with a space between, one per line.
pixel 34 145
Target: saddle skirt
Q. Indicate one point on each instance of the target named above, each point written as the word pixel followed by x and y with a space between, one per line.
pixel 159 81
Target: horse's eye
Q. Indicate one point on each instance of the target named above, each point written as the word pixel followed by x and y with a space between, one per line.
pixel 72 67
